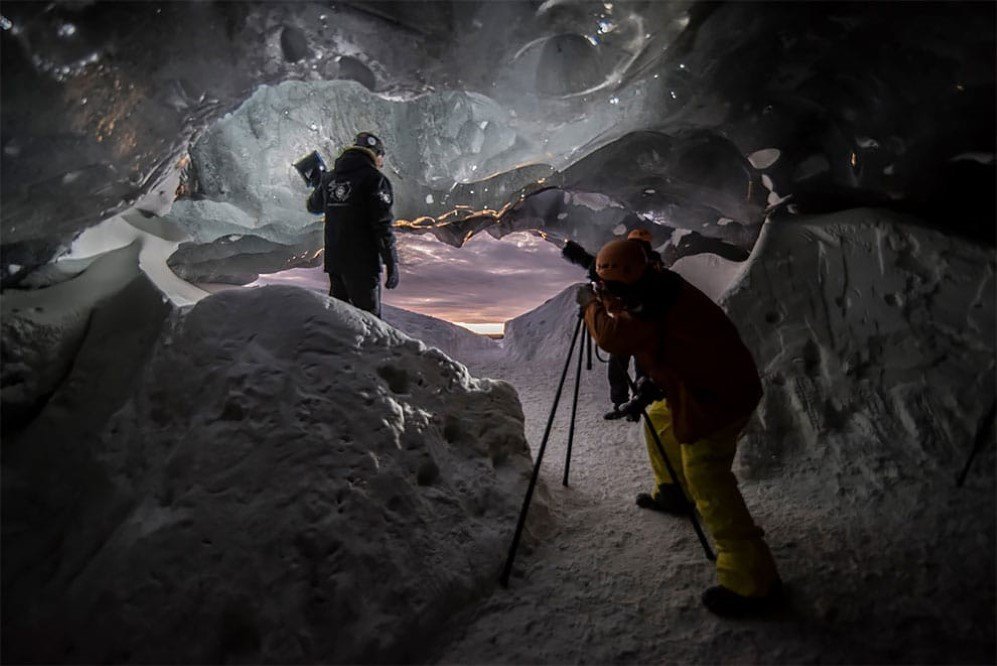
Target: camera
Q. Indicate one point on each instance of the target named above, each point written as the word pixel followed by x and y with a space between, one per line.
pixel 311 167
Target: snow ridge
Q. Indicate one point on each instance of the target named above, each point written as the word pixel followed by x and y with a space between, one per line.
pixel 544 333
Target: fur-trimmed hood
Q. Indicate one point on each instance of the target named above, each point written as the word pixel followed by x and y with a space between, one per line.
pixel 352 150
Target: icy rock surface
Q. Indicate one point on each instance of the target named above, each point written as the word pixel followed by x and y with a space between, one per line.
pixel 291 480
pixel 459 164
pixel 462 151
pixel 244 160
pixel 102 99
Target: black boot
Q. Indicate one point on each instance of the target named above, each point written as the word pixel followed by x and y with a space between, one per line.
pixel 668 499
pixel 615 414
pixel 619 414
pixel 726 603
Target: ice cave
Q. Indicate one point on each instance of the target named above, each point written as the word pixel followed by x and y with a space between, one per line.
pixel 208 459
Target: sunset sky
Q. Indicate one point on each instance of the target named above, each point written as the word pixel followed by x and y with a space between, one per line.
pixel 480 285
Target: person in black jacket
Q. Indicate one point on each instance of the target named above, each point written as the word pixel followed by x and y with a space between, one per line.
pixel 356 199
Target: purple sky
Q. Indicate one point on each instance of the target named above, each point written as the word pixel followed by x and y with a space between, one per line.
pixel 487 281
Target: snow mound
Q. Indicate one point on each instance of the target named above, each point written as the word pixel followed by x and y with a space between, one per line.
pixel 454 341
pixel 544 333
pixel 292 480
pixel 875 339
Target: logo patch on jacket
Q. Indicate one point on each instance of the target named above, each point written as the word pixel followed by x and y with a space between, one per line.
pixel 339 191
pixel 384 194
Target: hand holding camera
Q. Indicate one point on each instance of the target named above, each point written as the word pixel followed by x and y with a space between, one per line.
pixel 584 295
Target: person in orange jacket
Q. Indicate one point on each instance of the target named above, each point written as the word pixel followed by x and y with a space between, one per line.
pixel 619 365
pixel 701 388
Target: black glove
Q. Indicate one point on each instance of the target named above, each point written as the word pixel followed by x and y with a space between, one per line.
pixel 645 392
pixel 389 255
pixel 392 280
pixel 577 255
pixel 584 295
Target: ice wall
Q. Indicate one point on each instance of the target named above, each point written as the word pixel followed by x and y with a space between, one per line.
pixel 460 164
pixel 875 339
pixel 243 163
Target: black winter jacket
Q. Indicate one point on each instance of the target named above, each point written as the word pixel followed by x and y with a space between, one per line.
pixel 356 199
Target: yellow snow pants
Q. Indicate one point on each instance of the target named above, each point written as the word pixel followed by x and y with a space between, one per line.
pixel 744 562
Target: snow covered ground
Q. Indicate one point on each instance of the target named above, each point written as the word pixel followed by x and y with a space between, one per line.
pixel 273 476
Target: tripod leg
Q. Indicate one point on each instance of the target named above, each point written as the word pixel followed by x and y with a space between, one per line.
pixel 671 470
pixel 574 410
pixel 588 346
pixel 507 569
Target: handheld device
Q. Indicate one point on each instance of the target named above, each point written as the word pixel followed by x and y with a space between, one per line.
pixel 311 167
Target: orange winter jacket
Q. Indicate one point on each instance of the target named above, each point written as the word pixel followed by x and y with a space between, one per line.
pixel 690 349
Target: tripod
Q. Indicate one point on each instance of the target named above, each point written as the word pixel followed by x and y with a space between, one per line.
pixel 586 344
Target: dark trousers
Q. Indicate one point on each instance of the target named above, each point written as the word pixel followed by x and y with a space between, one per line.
pixel 362 292
pixel 619 388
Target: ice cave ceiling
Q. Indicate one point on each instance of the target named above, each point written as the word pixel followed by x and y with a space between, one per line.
pixel 563 117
